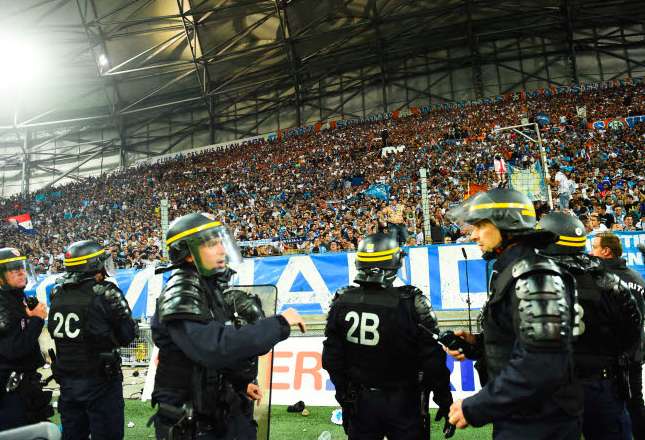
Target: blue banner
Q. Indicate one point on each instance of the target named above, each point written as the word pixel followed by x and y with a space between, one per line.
pixel 379 191
pixel 308 282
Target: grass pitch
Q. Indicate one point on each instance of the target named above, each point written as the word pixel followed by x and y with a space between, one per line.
pixel 284 425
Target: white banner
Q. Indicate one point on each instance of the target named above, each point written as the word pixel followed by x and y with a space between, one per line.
pixel 298 375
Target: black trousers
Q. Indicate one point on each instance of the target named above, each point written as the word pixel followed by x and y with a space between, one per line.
pixel 13 413
pixel 240 427
pixel 395 414
pixel 562 427
pixel 605 414
pixel 92 406
pixel 27 405
pixel 635 404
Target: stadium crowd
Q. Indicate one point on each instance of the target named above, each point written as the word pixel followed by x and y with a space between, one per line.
pixel 307 193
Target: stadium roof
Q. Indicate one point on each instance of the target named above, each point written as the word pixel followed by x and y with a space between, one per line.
pixel 119 65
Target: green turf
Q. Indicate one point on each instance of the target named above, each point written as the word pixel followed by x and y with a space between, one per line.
pixel 284 425
pixel 288 426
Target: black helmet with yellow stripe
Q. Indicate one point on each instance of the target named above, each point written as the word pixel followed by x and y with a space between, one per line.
pixel 572 237
pixel 378 259
pixel 509 210
pixel 11 259
pixel 208 241
pixel 88 256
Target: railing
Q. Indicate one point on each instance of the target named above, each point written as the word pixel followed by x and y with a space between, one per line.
pixel 139 351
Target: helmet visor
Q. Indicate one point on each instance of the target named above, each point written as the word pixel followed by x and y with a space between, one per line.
pixel 214 250
pixel 464 212
pixel 17 272
pixel 109 267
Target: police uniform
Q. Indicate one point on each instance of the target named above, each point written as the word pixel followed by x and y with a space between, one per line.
pixel 636 284
pixel 378 340
pixel 530 391
pixel 22 400
pixel 196 348
pixel 244 308
pixel 88 320
pixel 610 325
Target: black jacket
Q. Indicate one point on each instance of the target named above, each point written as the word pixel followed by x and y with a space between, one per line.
pixel 19 349
pixel 527 380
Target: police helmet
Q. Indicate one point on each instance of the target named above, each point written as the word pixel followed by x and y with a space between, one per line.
pixel 87 256
pixel 208 241
pixel 572 237
pixel 378 259
pixel 509 210
pixel 11 259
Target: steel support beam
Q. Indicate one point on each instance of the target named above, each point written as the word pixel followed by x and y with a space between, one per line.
pixel 26 165
pixel 201 69
pixel 566 9
pixel 294 62
pixel 475 57
pixel 78 166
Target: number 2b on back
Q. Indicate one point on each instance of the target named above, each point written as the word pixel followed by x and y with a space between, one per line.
pixel 367 325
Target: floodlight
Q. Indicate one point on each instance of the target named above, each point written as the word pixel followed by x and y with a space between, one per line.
pixel 21 63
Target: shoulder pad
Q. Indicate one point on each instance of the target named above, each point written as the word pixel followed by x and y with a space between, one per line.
pixel 409 291
pixel 535 264
pixel 183 298
pixel 5 318
pixel 577 264
pixel 342 291
pixel 630 317
pixel 106 288
pixel 423 308
pixel 543 307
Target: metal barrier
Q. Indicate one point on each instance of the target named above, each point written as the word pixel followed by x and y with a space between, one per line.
pixel 139 351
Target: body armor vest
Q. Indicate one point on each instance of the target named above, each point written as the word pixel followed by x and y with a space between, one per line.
pixel 380 352
pixel 185 297
pixel 595 348
pixel 77 351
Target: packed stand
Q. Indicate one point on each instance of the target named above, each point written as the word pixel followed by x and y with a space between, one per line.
pixel 307 194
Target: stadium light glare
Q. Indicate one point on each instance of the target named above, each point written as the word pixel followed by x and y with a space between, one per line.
pixel 103 60
pixel 22 62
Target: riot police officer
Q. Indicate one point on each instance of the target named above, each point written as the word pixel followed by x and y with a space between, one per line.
pixel 22 400
pixel 378 340
pixel 610 326
pixel 527 326
pixel 607 247
pixel 193 394
pixel 88 319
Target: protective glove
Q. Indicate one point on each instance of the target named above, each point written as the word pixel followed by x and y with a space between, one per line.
pixel 448 429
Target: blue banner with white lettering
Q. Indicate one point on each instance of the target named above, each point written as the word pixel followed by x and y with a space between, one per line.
pixel 445 273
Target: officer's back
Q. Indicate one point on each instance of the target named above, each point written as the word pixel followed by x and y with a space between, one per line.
pixel 375 347
pixel 380 335
pixel 610 324
pixel 88 320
